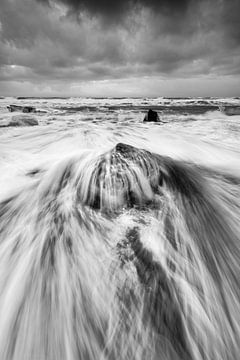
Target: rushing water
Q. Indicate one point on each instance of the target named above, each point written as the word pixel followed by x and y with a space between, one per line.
pixel 118 239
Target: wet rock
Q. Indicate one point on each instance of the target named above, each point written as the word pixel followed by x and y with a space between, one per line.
pixel 20 120
pixel 25 109
pixel 124 149
pixel 151 116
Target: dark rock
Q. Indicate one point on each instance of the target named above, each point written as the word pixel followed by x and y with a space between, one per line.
pixel 25 109
pixel 124 149
pixel 151 116
pixel 28 109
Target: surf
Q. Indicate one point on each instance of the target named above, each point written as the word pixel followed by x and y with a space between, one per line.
pixel 121 254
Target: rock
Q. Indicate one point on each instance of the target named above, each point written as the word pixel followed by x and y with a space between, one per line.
pixel 151 116
pixel 28 109
pixel 230 110
pixel 25 109
pixel 124 149
pixel 20 120
pixel 23 120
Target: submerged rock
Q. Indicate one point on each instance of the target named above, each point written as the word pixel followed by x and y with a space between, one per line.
pixel 230 110
pixel 20 120
pixel 151 116
pixel 23 120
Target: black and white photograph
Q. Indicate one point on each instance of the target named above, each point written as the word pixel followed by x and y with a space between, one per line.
pixel 119 179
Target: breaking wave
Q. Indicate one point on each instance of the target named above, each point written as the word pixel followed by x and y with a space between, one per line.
pixel 121 255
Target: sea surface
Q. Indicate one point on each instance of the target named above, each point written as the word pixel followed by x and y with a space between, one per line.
pixel 120 239
pixel 190 128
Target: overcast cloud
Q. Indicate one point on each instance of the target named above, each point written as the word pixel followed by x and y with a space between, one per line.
pixel 120 48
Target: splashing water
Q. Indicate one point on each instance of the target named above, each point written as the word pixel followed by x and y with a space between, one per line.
pixel 121 254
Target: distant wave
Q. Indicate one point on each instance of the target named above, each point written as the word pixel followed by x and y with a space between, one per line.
pixel 121 255
pixel 170 108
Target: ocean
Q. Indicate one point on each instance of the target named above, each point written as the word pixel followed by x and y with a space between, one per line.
pixel 120 239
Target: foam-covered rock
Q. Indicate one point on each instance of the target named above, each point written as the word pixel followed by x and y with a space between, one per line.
pixel 20 120
pixel 23 120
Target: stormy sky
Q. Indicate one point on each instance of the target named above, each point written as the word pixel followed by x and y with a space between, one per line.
pixel 119 48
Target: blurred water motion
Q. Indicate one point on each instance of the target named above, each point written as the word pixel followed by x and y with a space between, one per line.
pixel 119 242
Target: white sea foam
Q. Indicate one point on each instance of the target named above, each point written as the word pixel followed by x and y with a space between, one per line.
pixel 111 252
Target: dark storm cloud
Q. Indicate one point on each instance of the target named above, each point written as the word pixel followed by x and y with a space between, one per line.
pixel 230 19
pixel 69 40
pixel 176 16
pixel 119 8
